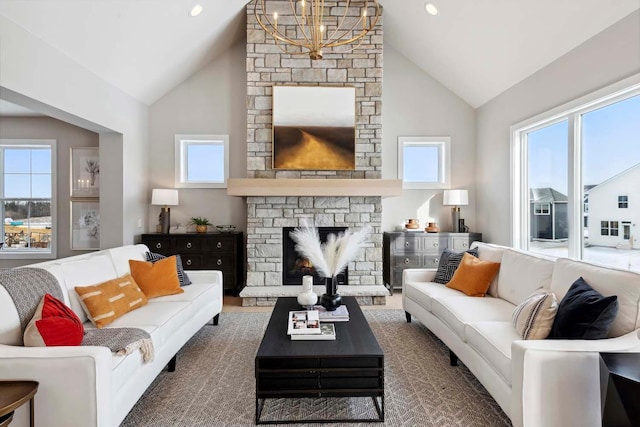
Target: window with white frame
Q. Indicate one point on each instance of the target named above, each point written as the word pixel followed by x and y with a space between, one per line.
pixel 28 198
pixel 424 162
pixel 201 161
pixel 573 154
pixel 623 202
pixel 541 208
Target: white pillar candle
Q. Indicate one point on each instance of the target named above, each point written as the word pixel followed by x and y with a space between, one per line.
pixel 307 282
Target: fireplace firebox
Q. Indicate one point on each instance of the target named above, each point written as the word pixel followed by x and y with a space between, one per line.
pixel 294 265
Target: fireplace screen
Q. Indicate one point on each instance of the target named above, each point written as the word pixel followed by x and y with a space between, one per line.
pixel 294 265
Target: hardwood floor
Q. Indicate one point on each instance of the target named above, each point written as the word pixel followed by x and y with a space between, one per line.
pixel 233 304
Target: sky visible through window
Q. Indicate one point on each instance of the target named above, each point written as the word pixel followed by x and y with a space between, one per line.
pixel 421 163
pixel 611 145
pixel 205 162
pixel 27 173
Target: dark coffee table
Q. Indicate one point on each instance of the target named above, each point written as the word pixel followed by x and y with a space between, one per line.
pixel 350 366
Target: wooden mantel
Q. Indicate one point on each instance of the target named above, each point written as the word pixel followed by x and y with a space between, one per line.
pixel 314 187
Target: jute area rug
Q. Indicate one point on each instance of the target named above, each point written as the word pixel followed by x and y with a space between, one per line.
pixel 214 382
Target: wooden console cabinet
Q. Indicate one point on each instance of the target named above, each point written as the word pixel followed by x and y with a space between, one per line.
pixel 205 251
pixel 417 249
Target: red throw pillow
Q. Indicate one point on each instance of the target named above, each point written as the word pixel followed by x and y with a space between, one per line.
pixel 53 324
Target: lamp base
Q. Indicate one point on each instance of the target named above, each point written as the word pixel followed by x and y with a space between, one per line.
pixel 455 218
pixel 165 220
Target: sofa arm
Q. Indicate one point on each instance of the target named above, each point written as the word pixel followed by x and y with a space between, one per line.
pixel 557 382
pixel 418 275
pixel 75 382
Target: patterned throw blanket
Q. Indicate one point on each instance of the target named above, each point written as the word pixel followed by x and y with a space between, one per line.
pixel 27 286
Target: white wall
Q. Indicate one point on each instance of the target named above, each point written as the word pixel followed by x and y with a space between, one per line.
pixel 53 83
pixel 606 58
pixel 414 104
pixel 66 136
pixel 212 101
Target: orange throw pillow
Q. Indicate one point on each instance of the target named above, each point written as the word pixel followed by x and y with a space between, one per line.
pixel 156 279
pixel 107 301
pixel 473 276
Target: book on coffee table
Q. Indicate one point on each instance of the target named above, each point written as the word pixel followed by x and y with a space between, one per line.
pixel 303 323
pixel 327 332
pixel 341 314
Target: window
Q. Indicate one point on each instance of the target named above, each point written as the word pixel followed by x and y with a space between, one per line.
pixel 27 198
pixel 202 161
pixel 623 202
pixel 580 157
pixel 541 208
pixel 613 228
pixel 424 162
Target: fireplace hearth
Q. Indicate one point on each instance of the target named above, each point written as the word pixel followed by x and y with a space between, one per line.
pixel 294 266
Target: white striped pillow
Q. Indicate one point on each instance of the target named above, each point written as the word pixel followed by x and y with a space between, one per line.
pixel 533 317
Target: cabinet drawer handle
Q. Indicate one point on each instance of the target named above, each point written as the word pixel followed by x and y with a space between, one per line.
pixel 219 245
pixel 436 244
pixel 465 244
pixel 436 260
pixel 407 244
pixel 188 262
pixel 188 245
pixel 406 260
pixel 158 245
pixel 219 262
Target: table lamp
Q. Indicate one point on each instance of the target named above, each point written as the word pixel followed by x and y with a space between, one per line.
pixel 164 197
pixel 455 198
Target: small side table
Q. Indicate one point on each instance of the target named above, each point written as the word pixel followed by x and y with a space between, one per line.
pixel 13 394
pixel 622 399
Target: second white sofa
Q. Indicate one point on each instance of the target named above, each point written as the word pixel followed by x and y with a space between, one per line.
pixel 543 383
pixel 89 386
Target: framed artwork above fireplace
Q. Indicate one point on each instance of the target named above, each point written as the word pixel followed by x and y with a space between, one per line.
pixel 314 128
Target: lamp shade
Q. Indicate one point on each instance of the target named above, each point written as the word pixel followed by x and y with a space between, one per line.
pixel 165 197
pixel 455 197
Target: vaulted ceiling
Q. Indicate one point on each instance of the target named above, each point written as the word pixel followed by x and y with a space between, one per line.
pixel 476 48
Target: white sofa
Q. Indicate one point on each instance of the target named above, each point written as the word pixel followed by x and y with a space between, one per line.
pixel 543 383
pixel 89 386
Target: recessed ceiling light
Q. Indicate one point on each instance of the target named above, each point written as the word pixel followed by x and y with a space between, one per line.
pixel 431 9
pixel 196 10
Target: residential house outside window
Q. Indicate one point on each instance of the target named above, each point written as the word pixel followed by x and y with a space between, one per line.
pixel 575 151
pixel 27 198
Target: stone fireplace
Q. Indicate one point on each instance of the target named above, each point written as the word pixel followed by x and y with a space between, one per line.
pixel 268 212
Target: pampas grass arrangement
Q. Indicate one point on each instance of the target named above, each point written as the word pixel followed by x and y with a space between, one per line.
pixel 330 258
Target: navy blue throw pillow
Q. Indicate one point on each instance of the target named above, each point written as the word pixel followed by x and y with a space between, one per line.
pixel 449 263
pixel 584 313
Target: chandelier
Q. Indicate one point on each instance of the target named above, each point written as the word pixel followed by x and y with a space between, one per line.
pixel 311 27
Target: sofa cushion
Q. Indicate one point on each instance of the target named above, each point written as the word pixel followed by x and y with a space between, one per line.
pixel 493 253
pixel 107 301
pixel 85 272
pixel 182 276
pixel 521 274
pixel 10 328
pixel 167 317
pixel 448 264
pixel 121 256
pixel 473 276
pixel 492 340
pixel 198 294
pixel 584 313
pixel 459 310
pixel 156 279
pixel 53 324
pixel 424 292
pixel 533 317
pixel 608 281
